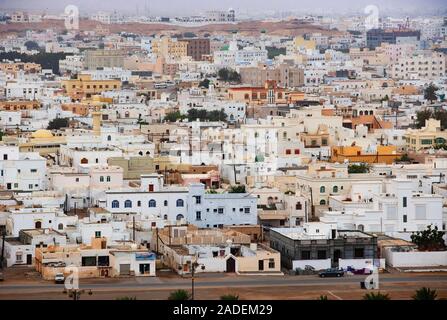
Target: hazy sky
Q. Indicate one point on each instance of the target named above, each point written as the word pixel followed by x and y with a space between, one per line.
pixel 183 7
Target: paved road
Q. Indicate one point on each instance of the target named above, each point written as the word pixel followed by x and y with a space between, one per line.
pixel 226 281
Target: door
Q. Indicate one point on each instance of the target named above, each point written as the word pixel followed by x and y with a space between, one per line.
pixel 231 265
pixel 261 265
pixel 124 269
pixel 337 256
pixel 29 259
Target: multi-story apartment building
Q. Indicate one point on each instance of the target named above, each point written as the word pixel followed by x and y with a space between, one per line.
pixel 169 48
pixel 285 76
pixel 375 37
pixel 95 59
pixel 430 65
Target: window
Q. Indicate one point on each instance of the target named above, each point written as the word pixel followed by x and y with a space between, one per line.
pixel 152 203
pixel 322 202
pixel 198 215
pixel 334 189
pixel 297 151
pixel 108 179
pixel 127 204
pixel 19 257
pixel 261 265
pixel 298 206
pixel 321 254
pixel 247 210
pixel 288 151
pixel 359 253
pixel 322 189
pixel 179 217
pixel 305 255
pixel 404 218
pixel 60 226
pixel 101 179
pixel 180 203
pixel 271 263
pixel 33 170
pixel 37 225
pixel 115 204
pixel 404 202
pixel 165 203
pixel 198 199
pixel 97 234
pixel 220 210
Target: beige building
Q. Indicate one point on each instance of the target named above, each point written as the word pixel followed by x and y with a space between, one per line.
pixel 426 137
pixel 285 76
pixel 95 59
pixel 170 48
pixel 419 66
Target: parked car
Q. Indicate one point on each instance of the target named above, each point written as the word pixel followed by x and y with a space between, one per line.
pixel 331 273
pixel 59 278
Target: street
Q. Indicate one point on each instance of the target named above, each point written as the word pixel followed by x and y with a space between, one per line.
pixel 212 286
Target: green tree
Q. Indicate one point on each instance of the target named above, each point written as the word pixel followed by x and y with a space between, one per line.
pixel 179 295
pixel 425 294
pixel 376 296
pixel 430 93
pixel 358 168
pixel 58 123
pixel 174 116
pixel 274 51
pixel 205 83
pixel 32 45
pixel 229 297
pixel 405 158
pixel 422 116
pixel 441 115
pixel 429 239
pixel 237 189
pixel 229 75
pixel 322 298
pixel 1 135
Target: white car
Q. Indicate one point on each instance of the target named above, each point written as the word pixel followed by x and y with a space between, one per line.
pixel 59 278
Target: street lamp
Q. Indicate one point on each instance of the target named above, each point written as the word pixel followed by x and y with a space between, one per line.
pixel 75 294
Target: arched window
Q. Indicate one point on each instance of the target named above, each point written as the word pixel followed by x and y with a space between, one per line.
pixel 101 179
pixel 152 203
pixel 127 204
pixel 361 227
pixel 60 226
pixel 322 202
pixel 165 217
pixel 108 178
pixel 138 203
pixel 115 204
pixel 109 138
pixel 148 153
pixel 298 206
pixel 140 153
pixel 334 189
pixel 179 203
pixel 38 225
pixel 165 203
pixel 322 189
pixel 84 161
pixel 179 217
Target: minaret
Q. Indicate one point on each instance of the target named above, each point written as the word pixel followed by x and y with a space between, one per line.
pixel 96 116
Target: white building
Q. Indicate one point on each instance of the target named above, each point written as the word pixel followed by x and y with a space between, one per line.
pixel 21 170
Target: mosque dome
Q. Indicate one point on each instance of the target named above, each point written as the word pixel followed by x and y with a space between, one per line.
pixel 42 133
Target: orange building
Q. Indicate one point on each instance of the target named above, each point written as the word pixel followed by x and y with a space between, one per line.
pixel 85 87
pixel 370 121
pixel 19 105
pixel 76 108
pixel 383 154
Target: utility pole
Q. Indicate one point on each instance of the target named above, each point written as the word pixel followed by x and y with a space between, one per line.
pixel 3 250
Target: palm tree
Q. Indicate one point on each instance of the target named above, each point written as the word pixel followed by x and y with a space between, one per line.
pixel 179 295
pixel 376 296
pixel 229 297
pixel 323 298
pixel 425 294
